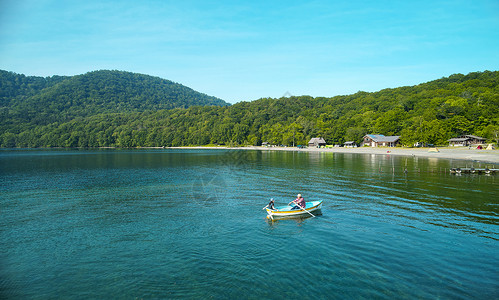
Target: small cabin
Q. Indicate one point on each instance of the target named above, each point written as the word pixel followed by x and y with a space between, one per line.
pixel 466 140
pixel 350 144
pixel 317 142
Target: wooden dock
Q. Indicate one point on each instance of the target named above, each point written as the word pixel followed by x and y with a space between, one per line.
pixel 486 171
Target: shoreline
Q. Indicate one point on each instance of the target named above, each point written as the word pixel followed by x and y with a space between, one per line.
pixel 458 153
pixel 450 153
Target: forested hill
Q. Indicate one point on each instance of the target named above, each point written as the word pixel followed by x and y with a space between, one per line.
pixel 14 85
pixel 430 112
pixel 45 100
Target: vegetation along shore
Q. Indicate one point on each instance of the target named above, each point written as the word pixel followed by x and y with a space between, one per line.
pixel 128 110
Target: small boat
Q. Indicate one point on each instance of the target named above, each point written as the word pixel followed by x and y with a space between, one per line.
pixel 287 211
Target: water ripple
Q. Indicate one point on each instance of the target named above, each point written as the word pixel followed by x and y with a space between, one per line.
pixel 180 224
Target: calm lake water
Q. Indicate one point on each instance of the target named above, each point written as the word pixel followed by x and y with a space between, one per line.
pixel 189 224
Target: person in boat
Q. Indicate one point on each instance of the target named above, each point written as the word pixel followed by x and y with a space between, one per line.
pixel 270 205
pixel 299 202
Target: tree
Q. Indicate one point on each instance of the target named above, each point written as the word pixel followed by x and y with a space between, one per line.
pixel 240 133
pixel 491 132
pixel 8 140
pixel 355 134
pixel 293 135
pixel 390 123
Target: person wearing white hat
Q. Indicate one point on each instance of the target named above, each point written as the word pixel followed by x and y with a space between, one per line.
pixel 299 202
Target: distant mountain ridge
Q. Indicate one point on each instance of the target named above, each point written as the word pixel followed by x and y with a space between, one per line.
pixel 60 98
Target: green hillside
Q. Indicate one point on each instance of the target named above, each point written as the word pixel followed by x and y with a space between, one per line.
pixel 17 86
pixel 42 101
pixel 430 112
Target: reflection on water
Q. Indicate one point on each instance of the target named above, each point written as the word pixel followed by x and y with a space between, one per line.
pixel 190 224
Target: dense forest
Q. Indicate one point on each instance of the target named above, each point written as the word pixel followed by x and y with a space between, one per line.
pixel 43 101
pixel 120 109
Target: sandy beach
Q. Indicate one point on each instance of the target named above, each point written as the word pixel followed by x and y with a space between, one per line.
pixel 460 153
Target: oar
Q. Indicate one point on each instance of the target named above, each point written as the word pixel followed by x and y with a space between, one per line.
pixel 306 210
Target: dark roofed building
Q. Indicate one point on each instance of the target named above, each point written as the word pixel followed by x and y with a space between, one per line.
pixel 466 140
pixel 375 140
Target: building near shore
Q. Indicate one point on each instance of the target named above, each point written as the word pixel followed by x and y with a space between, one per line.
pixel 317 142
pixel 376 140
pixel 466 140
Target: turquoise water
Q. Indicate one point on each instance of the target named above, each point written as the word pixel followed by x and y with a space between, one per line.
pixel 189 224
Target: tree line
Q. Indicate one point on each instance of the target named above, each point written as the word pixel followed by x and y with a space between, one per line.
pixel 430 112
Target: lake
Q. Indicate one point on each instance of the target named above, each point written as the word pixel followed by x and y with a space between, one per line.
pixel 189 224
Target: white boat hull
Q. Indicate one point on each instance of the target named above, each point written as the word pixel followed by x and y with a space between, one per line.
pixel 286 211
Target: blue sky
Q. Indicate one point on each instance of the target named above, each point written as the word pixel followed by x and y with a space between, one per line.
pixel 245 50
